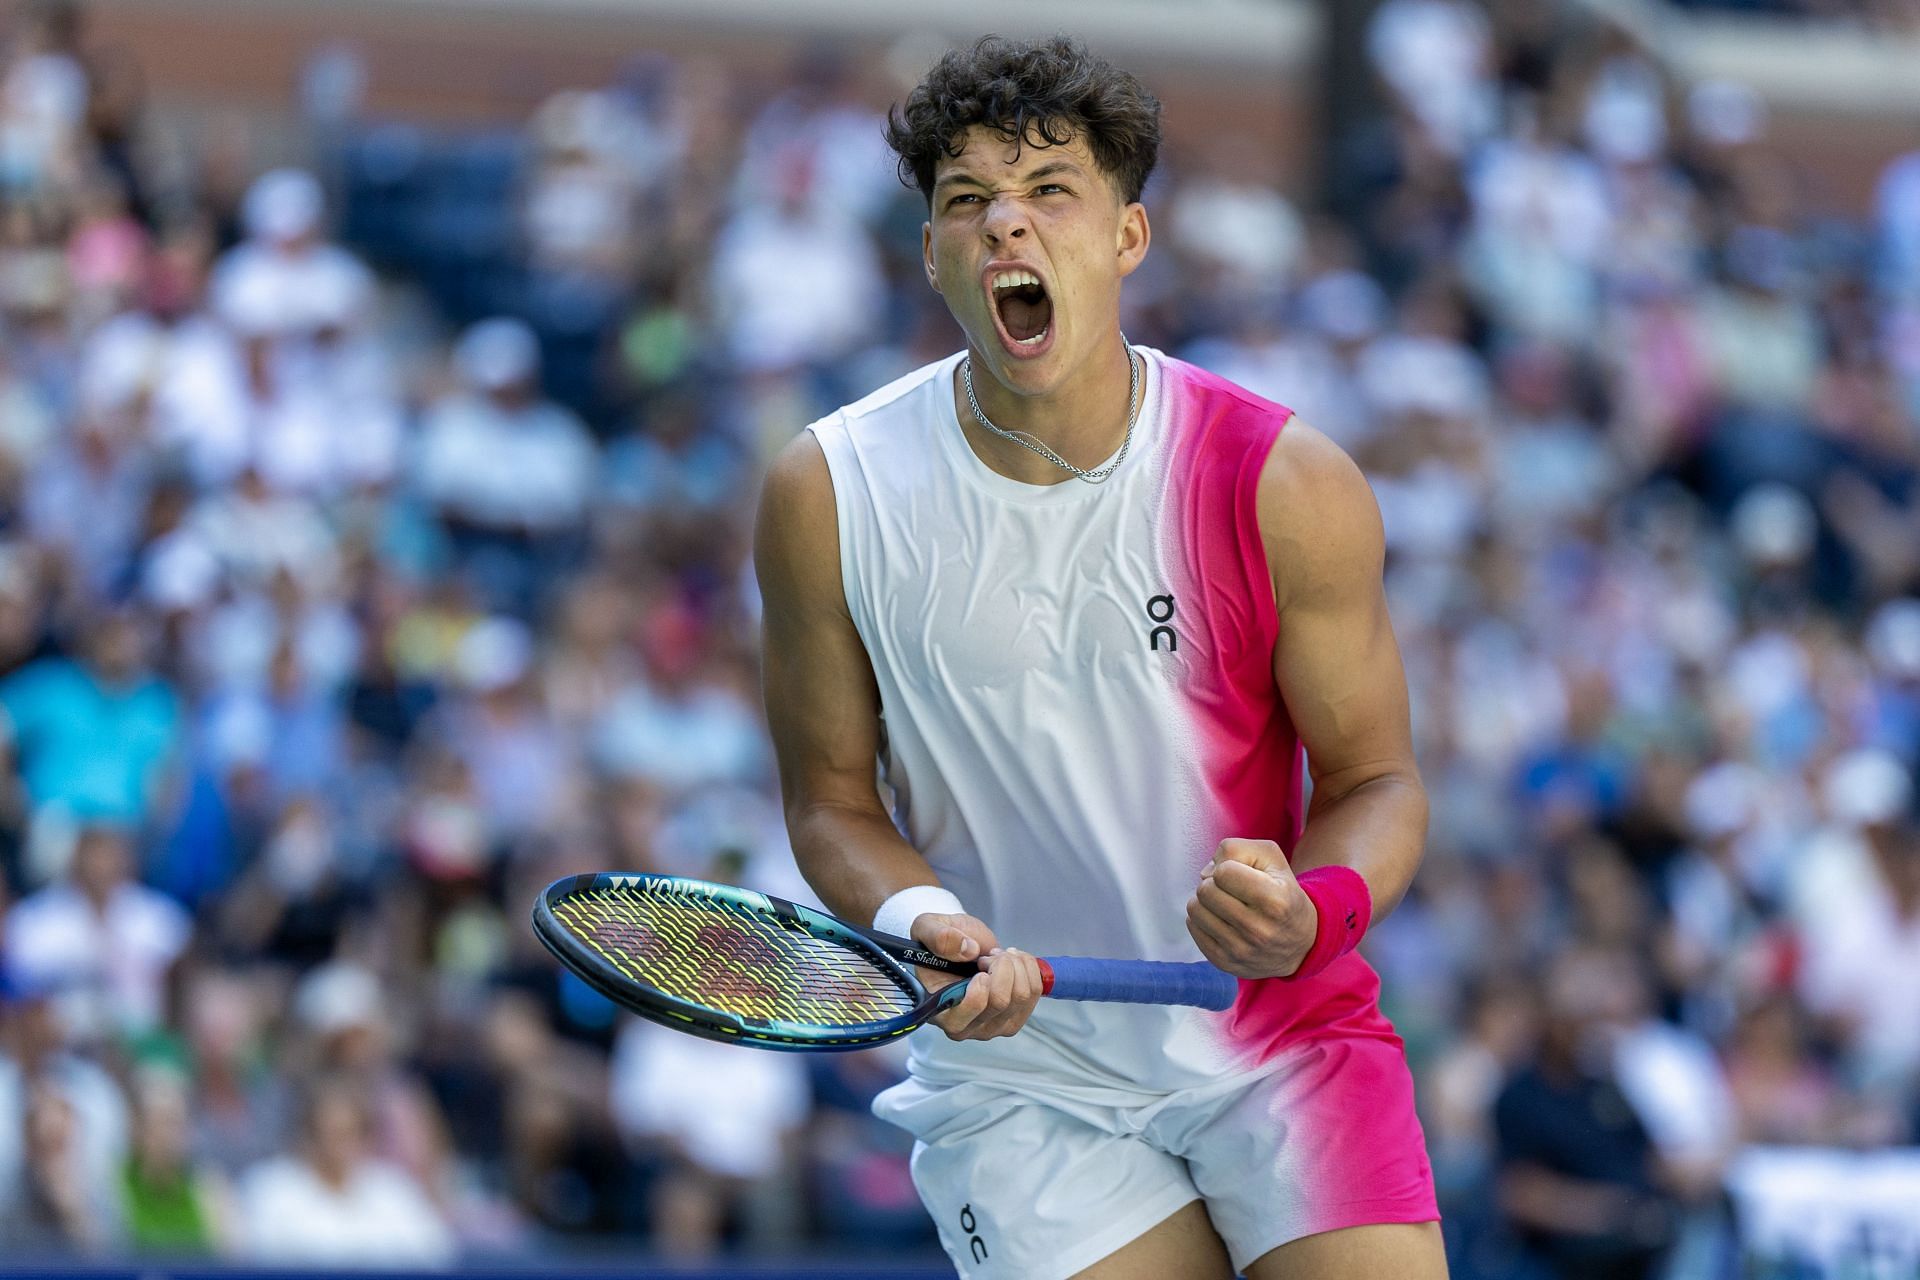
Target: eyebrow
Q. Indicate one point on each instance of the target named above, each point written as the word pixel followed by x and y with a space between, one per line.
pixel 1052 168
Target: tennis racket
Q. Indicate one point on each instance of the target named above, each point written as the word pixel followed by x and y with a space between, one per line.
pixel 734 965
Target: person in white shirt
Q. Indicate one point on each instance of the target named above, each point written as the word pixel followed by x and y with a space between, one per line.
pixel 1856 903
pixel 496 455
pixel 334 1204
pixel 99 940
pixel 510 473
pixel 723 1120
pixel 82 1113
pixel 286 268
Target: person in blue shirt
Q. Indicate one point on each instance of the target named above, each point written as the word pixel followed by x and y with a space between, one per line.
pixel 89 737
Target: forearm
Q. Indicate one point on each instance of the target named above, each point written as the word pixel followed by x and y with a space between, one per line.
pixel 1377 827
pixel 854 857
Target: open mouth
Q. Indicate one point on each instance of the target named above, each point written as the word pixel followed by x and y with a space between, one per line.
pixel 1025 311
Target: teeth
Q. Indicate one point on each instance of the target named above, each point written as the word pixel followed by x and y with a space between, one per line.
pixel 1014 279
pixel 1034 341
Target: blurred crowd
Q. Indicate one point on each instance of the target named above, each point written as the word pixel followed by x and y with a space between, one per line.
pixel 1879 15
pixel 346 599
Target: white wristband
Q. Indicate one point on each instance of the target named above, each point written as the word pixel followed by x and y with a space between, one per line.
pixel 897 914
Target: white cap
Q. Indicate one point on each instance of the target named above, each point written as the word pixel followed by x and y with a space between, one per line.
pixel 497 353
pixel 283 204
pixel 1866 788
pixel 338 996
pixel 1626 120
pixel 1773 524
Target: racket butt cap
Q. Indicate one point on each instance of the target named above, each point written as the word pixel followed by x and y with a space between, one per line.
pixel 1046 977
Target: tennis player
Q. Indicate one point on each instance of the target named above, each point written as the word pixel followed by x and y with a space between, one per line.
pixel 1097 614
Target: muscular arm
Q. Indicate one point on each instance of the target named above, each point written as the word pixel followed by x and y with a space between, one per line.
pixel 824 711
pixel 1339 667
pixel 1339 671
pixel 822 704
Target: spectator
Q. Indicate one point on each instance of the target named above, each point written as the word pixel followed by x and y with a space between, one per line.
pixel 334 1204
pixel 355 1030
pixel 717 1122
pixel 509 473
pixel 172 1206
pixel 1784 1094
pixel 1579 1177
pixel 1866 873
pixel 99 939
pixel 63 1131
pixel 242 1106
pixel 285 272
pixel 523 768
pixel 55 1212
pixel 583 200
pixel 681 727
pixel 91 738
pixel 794 280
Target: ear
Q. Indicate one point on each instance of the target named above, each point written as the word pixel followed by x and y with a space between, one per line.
pixel 1134 237
pixel 926 255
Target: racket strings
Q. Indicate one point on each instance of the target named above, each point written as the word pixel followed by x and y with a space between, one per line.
pixel 728 957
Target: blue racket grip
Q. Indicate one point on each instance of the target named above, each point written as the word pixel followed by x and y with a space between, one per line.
pixel 1141 982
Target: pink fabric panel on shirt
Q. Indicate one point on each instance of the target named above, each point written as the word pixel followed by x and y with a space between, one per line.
pixel 1254 761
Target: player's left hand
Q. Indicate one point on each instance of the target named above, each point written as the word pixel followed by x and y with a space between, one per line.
pixel 1250 916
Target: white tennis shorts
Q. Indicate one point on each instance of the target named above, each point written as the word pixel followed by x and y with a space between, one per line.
pixel 1025 1188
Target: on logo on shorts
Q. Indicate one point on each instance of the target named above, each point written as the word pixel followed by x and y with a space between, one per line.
pixel 969 1224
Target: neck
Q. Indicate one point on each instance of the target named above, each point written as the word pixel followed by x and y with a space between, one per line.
pixel 1083 420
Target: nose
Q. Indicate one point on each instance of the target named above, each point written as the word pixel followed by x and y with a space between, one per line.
pixel 1006 220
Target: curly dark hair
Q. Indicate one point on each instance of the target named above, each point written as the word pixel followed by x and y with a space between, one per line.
pixel 1042 94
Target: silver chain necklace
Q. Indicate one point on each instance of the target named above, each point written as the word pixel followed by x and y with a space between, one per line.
pixel 1027 441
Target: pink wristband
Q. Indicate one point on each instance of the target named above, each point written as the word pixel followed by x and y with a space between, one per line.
pixel 1345 906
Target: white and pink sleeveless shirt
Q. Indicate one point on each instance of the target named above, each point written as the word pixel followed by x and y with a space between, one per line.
pixel 1079 704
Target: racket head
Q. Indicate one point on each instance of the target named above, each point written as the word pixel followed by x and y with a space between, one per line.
pixel 727 963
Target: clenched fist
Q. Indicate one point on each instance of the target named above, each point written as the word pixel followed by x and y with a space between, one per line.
pixel 1249 915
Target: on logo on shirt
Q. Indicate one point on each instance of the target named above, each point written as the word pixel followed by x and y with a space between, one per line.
pixel 1160 611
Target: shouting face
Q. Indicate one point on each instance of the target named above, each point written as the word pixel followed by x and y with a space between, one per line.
pixel 1028 244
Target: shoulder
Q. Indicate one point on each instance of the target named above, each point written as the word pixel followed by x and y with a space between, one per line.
pixel 1318 516
pixel 52 669
pixel 1225 431
pixel 801 474
pixel 1307 471
pixel 907 398
pixel 385 1182
pixel 46 918
pixel 150 918
pixel 796 541
pixel 1191 381
pixel 27 677
pixel 798 488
